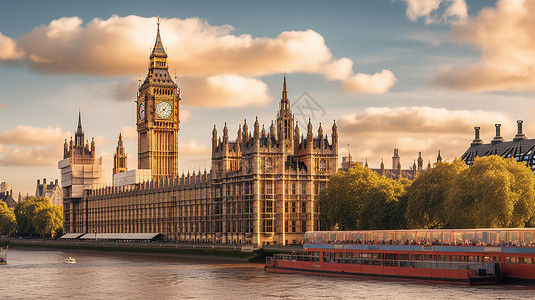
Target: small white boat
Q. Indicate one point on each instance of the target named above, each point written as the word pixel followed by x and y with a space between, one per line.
pixel 70 260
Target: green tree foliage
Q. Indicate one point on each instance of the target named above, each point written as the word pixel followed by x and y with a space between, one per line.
pixel 25 212
pixel 48 220
pixel 425 197
pixel 361 199
pixel 493 192
pixel 382 207
pixel 8 224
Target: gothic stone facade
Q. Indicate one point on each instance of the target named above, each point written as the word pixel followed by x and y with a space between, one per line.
pixel 262 188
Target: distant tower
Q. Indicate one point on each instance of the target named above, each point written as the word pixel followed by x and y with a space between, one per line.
pixel 439 158
pixel 395 159
pixel 158 117
pixel 420 161
pixel 119 158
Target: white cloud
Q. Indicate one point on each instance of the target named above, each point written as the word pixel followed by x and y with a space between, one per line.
pixel 8 48
pixel 375 132
pixel 225 91
pixel 192 148
pixel 31 136
pixel 436 11
pixel 506 38
pixel 32 156
pixel 118 46
pixel 377 83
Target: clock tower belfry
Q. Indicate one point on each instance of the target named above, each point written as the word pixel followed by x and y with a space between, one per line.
pixel 158 103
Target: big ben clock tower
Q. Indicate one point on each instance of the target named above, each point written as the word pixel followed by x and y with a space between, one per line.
pixel 158 117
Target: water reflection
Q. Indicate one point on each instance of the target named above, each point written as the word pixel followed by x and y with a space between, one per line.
pixel 43 274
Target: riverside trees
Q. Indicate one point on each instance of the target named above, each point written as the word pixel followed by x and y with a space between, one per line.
pixel 493 192
pixel 361 199
pixel 8 224
pixel 38 216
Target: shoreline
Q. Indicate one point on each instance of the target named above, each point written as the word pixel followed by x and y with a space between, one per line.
pixel 230 253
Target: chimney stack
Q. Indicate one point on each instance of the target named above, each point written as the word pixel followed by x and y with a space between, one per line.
pixel 498 138
pixel 477 140
pixel 519 135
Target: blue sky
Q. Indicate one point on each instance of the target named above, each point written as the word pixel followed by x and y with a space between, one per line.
pixel 414 75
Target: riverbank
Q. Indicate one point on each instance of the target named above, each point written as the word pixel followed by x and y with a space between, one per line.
pixel 235 253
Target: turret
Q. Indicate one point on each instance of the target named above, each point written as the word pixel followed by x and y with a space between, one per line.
pixel 439 158
pixel 65 149
pixel 256 130
pixel 245 131
pixel 214 138
pixel 335 134
pixel 395 159
pixel 382 168
pixel 310 135
pixel 93 146
pixel 225 135
pixel 320 132
pixel 420 161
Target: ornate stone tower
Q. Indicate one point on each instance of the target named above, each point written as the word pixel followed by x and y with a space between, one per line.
pixel 285 122
pixel 158 117
pixel 119 158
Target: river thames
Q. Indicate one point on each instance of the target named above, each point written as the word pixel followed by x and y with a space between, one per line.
pixel 44 274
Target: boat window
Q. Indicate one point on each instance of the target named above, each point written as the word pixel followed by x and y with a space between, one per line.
pixel 458 237
pixel 443 257
pixel 491 259
pixel 447 238
pixel 416 257
pixel 528 260
pixel 512 260
pixel 403 256
pixel 528 238
pixel 471 258
pixel 513 238
pixel 429 257
pixel 458 258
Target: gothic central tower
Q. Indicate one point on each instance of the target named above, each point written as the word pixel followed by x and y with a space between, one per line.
pixel 158 117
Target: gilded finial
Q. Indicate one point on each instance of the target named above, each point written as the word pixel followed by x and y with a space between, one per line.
pixel 158 21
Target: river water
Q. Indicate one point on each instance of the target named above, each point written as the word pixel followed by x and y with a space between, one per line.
pixel 32 274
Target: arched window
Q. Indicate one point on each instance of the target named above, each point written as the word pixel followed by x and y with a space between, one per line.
pixel 269 164
pixel 323 165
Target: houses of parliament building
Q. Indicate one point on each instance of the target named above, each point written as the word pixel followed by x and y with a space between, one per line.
pixel 262 187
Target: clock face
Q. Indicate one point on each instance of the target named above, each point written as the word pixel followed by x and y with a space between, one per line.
pixel 164 110
pixel 141 111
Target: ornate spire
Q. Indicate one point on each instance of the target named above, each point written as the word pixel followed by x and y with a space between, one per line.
pixel 284 90
pixel 79 129
pixel 439 158
pixel 285 103
pixel 158 49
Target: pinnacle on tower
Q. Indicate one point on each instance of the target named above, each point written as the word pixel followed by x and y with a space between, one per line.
pixel 79 129
pixel 158 49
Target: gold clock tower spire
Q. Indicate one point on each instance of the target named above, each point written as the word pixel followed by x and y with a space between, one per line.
pixel 158 116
